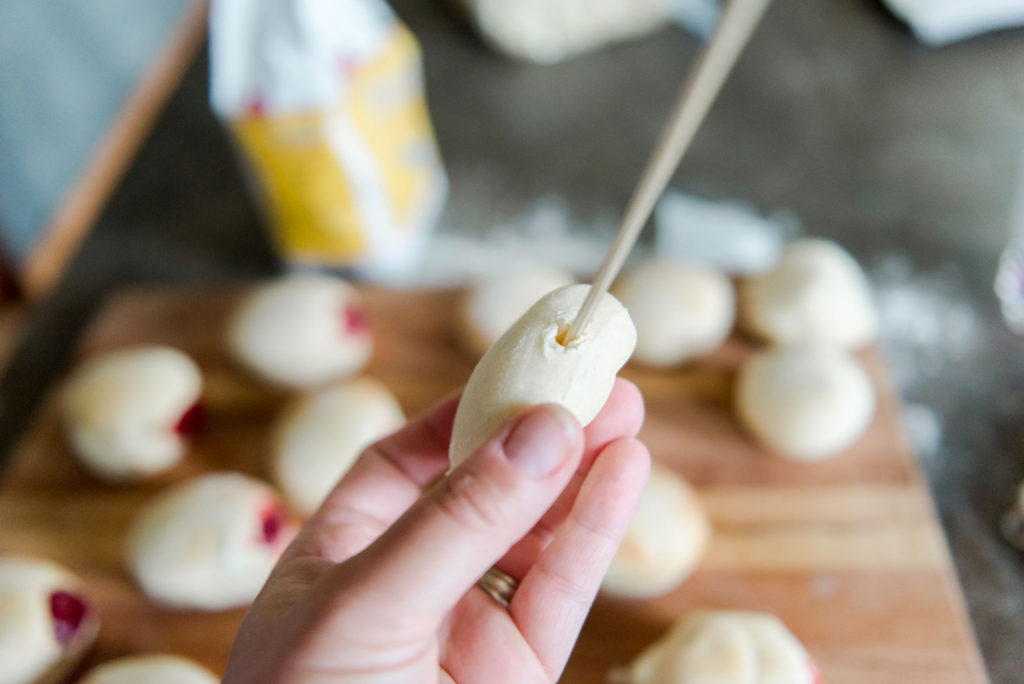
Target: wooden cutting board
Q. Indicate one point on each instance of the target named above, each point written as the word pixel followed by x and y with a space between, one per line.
pixel 848 553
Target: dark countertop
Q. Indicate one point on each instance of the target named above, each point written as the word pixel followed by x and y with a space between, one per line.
pixel 906 155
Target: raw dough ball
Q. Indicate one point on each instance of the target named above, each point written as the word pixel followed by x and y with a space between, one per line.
pixel 493 305
pixel 208 543
pixel 665 540
pixel 548 31
pixel 725 647
pixel 319 437
pixel 680 311
pixel 815 294
pixel 529 366
pixel 805 402
pixel 150 669
pixel 128 413
pixel 46 621
pixel 301 331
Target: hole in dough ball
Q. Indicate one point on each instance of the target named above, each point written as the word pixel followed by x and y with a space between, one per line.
pixel 491 306
pixel 528 366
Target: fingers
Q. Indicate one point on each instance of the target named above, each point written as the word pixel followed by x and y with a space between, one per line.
pixel 386 479
pixel 555 596
pixel 621 416
pixel 471 517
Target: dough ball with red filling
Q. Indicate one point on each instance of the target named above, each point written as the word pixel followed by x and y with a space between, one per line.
pixel 301 331
pixel 208 543
pixel 47 620
pixel 129 414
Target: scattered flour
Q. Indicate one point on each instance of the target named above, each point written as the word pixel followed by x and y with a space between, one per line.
pixel 544 233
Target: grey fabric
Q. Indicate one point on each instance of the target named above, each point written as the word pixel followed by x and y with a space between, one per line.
pixel 66 69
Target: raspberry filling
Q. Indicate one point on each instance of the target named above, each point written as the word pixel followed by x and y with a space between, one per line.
pixel 68 611
pixel 272 521
pixel 817 678
pixel 191 420
pixel 356 322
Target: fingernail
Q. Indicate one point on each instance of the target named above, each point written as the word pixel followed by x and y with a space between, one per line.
pixel 539 443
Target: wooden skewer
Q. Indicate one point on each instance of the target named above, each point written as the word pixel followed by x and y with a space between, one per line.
pixel 734 29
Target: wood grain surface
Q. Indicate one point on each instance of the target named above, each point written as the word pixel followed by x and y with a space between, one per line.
pixel 848 553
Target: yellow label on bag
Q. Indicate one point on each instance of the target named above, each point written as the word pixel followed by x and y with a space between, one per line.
pixel 343 181
pixel 308 198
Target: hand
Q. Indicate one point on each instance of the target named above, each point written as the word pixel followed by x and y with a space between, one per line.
pixel 380 584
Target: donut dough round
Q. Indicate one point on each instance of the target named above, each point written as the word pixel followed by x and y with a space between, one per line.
pixel 547 31
pixel 665 540
pixel 725 647
pixel 494 304
pixel 128 414
pixel 817 293
pixel 529 366
pixel 46 621
pixel 320 436
pixel 805 402
pixel 301 331
pixel 150 669
pixel 680 311
pixel 208 543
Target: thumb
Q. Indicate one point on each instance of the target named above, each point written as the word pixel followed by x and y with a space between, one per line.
pixel 470 518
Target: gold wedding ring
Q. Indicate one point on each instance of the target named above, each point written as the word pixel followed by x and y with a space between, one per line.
pixel 499 586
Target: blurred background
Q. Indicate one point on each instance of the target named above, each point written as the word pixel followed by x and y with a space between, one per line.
pixel 889 134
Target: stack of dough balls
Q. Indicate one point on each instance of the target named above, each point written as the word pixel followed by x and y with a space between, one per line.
pixel 301 331
pixel 808 398
pixel 680 311
pixel 150 669
pixel 46 621
pixel 724 647
pixel 665 540
pixel 319 436
pixel 208 543
pixel 128 414
pixel 493 304
pixel 530 365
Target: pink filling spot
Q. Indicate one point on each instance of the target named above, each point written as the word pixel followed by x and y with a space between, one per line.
pixel 815 672
pixel 68 611
pixel 273 521
pixel 356 322
pixel 256 107
pixel 191 420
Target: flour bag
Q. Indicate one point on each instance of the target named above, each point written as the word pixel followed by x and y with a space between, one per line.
pixel 325 102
